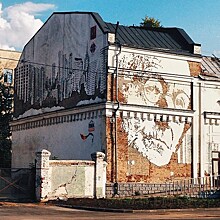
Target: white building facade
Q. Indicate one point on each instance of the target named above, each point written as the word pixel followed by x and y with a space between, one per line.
pixel 144 97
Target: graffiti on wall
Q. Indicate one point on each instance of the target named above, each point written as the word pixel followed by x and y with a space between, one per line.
pixel 155 140
pixel 140 85
pixel 91 129
pixel 139 62
pixel 71 81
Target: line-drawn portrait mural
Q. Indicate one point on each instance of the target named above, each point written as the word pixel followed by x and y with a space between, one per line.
pixel 155 140
pixel 139 85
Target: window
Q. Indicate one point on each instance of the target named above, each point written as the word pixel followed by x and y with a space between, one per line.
pixel 8 77
pixel 93 33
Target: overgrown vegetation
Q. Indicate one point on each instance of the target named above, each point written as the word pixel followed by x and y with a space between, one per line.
pixel 150 22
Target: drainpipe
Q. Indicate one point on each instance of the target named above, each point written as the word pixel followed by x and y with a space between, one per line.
pixel 117 43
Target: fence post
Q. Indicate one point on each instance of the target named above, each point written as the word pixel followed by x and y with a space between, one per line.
pixel 100 174
pixel 42 181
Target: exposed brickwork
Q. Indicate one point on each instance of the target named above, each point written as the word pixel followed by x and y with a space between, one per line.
pixel 132 166
pixel 110 84
pixel 162 103
pixel 122 149
pixel 186 128
pixel 122 152
pixel 110 172
pixel 194 68
pixel 111 87
pixel 142 170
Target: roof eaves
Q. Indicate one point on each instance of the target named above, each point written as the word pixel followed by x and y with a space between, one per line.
pixel 209 78
pixel 163 50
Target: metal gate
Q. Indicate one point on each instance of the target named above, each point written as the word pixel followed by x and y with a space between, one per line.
pixel 17 184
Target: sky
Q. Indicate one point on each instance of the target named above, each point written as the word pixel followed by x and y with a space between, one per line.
pixel 19 19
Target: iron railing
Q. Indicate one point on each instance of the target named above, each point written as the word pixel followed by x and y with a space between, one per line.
pixel 201 187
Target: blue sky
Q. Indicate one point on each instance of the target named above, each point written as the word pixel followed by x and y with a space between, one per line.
pixel 199 18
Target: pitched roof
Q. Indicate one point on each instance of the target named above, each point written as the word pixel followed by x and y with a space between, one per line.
pixel 165 39
pixel 172 40
pixel 210 68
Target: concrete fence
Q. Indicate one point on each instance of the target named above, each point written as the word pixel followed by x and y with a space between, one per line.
pixel 63 179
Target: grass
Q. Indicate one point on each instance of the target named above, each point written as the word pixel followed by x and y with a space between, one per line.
pixel 144 203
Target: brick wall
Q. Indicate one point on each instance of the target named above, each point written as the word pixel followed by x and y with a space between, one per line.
pixel 141 170
pixel 194 68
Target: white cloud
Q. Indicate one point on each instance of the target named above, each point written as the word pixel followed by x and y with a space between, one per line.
pixel 216 53
pixel 18 23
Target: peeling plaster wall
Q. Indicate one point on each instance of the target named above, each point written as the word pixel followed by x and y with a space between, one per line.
pixel 72 180
pixel 155 91
pixel 156 140
pixel 75 139
pixel 152 146
pixel 150 151
pixel 153 80
pixel 143 60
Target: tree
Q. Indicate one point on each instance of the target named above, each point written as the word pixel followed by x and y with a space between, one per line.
pixel 6 99
pixel 150 22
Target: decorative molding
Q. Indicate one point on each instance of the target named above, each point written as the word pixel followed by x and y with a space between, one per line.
pixel 150 109
pixel 155 117
pixel 212 118
pixel 100 110
pixel 37 122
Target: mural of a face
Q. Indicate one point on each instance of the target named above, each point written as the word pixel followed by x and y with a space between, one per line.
pixel 155 140
pixel 152 91
pixel 142 86
pixel 156 92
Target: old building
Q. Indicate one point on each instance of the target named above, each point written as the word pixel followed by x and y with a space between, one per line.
pixel 144 97
pixel 8 62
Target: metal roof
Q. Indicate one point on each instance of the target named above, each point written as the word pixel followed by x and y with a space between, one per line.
pixel 172 40
pixel 165 39
pixel 210 66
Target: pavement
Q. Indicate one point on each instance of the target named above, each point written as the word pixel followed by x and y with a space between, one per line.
pixel 33 211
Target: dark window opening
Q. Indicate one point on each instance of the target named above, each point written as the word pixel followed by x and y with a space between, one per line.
pixel 93 33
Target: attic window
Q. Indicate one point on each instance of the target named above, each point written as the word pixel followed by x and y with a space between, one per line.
pixel 93 32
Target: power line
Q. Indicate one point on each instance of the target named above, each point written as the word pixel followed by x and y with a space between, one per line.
pixel 140 73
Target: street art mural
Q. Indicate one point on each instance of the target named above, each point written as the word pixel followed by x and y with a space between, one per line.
pixel 156 140
pixel 141 86
pixel 62 66
pixel 91 129
pixel 73 78
pixel 138 62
